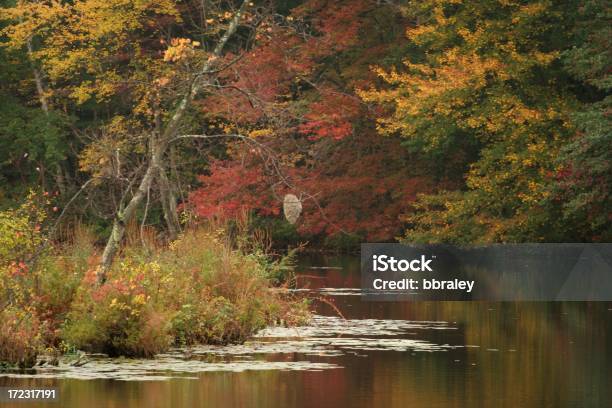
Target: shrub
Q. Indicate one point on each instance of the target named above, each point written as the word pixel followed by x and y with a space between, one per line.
pixel 59 275
pixel 209 286
pixel 197 290
pixel 20 231
pixel 21 332
pixel 343 242
pixel 226 297
pixel 117 319
pixel 21 337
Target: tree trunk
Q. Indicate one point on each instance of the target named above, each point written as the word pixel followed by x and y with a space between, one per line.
pixel 42 98
pixel 158 149
pixel 168 200
pixel 121 219
pixel 40 88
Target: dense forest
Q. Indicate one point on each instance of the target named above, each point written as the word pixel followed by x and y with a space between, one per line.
pixel 434 121
pixel 147 148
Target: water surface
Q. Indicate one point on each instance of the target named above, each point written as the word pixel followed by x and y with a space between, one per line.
pixel 366 354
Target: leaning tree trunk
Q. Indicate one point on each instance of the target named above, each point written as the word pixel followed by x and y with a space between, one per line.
pixel 158 149
pixel 121 219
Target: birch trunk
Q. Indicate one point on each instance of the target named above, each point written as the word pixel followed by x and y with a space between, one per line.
pixel 121 219
pixel 158 149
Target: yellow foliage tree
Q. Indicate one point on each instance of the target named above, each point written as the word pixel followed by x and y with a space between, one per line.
pixel 481 79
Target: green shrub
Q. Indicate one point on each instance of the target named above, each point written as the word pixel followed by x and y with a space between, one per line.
pixel 343 242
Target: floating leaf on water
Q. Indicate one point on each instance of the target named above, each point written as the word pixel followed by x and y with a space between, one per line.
pixel 328 336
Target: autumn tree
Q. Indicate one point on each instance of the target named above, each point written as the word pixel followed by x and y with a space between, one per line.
pixel 353 185
pixel 485 78
pixel 144 64
pixel 583 182
pixel 501 107
pixel 33 139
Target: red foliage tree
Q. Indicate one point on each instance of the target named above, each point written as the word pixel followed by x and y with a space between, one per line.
pixel 299 82
pixel 232 189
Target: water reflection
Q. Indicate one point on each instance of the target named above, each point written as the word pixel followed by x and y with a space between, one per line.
pixel 423 354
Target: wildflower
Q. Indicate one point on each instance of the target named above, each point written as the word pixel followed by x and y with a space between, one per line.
pixel 139 299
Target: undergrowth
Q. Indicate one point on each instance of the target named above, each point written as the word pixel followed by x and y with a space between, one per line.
pixel 208 286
